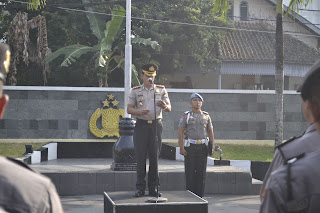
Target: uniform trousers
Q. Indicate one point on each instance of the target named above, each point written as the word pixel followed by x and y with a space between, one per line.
pixel 195 164
pixel 145 144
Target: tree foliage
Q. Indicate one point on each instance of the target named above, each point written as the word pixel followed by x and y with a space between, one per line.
pixel 183 32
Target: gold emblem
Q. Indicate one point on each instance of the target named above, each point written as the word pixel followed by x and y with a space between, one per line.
pixel 111 97
pixel 110 119
pixel 140 103
pixel 6 63
pixel 105 103
pixel 157 90
pixel 191 117
pixel 115 103
pixel 204 117
pixel 199 141
pixel 151 68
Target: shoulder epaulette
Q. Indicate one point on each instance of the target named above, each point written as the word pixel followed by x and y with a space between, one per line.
pixel 288 141
pixel 136 87
pixel 294 159
pixel 186 112
pixel 159 85
pixel 19 162
pixel 204 112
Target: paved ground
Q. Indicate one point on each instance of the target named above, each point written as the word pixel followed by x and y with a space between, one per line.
pixel 217 203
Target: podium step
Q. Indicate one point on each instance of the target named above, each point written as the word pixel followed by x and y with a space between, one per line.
pixel 177 201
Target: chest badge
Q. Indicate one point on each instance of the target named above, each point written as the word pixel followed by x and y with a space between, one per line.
pixel 157 90
pixel 204 117
pixel 140 103
pixel 191 117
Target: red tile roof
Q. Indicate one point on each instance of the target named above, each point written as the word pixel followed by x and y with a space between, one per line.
pixel 251 45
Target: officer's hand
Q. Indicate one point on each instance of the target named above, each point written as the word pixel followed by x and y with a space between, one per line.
pixel 144 111
pixel 161 104
pixel 183 152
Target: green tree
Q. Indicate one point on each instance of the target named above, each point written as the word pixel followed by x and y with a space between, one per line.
pixel 181 44
pixel 109 50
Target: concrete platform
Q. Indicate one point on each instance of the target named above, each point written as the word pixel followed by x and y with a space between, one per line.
pixel 87 176
pixel 177 201
pixel 221 203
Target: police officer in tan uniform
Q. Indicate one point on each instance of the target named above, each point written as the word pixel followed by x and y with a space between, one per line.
pixel 195 131
pixel 141 105
pixel 21 189
pixel 295 187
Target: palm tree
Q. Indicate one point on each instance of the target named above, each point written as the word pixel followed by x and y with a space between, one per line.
pixel 294 5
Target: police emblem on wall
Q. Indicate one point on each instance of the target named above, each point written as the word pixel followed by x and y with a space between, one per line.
pixel 110 117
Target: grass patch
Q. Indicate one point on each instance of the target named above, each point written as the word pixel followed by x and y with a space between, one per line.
pixel 245 152
pixel 16 150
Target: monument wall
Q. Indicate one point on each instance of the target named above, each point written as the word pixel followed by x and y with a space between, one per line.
pixel 65 112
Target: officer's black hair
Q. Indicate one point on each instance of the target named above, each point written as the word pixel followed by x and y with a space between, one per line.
pixel 310 90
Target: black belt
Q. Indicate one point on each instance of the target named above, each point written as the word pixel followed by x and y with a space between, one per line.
pixel 147 122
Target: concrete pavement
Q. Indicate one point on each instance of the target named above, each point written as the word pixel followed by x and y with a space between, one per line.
pixel 217 203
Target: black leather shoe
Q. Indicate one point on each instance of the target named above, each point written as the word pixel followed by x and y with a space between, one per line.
pixel 154 193
pixel 139 193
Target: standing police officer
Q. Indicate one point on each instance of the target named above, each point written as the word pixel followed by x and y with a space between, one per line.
pixel 22 189
pixel 295 187
pixel 194 129
pixel 310 140
pixel 141 105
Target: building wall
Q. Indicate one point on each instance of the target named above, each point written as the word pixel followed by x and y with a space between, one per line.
pixel 261 9
pixel 64 113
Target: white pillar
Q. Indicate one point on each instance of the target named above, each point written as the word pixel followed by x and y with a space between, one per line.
pixel 219 81
pixel 128 59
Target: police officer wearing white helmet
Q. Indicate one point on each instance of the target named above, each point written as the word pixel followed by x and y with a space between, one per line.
pixel 295 186
pixel 195 131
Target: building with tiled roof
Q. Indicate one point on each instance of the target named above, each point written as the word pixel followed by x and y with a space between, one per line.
pixel 247 53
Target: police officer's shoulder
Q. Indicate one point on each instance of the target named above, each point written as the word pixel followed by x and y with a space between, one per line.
pixel 186 112
pixel 204 112
pixel 288 141
pixel 136 87
pixel 20 163
pixel 295 158
pixel 159 85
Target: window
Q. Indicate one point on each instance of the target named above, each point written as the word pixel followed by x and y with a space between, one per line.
pixel 230 11
pixel 243 11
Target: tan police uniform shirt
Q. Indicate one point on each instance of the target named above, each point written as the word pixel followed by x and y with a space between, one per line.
pixel 197 125
pixel 308 142
pixel 305 187
pixel 142 98
pixel 23 190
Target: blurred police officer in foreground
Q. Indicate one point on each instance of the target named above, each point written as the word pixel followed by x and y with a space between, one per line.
pixel 140 105
pixel 194 129
pixel 295 187
pixel 22 190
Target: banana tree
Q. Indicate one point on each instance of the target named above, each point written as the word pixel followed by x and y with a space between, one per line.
pixel 109 52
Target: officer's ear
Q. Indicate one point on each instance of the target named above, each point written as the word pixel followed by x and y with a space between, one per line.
pixel 3 103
